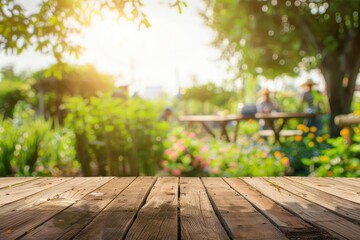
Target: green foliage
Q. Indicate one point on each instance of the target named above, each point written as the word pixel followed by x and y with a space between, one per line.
pixel 122 137
pixel 51 27
pixel 187 155
pixel 29 146
pixel 83 81
pixel 276 38
pixel 217 97
pixel 11 92
pixel 339 159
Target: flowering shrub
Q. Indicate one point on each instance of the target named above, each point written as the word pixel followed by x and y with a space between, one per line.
pixel 301 147
pixel 340 159
pixel 187 155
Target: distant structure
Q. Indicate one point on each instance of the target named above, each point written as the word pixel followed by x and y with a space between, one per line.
pixel 121 92
pixel 152 92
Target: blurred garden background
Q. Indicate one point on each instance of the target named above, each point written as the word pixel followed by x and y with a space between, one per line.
pixel 69 118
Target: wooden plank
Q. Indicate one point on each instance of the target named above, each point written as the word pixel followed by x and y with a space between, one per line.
pixel 241 219
pixel 353 182
pixel 69 222
pixel 12 181
pixel 16 223
pixel 310 212
pixel 157 219
pixel 336 204
pixel 198 219
pixel 292 226
pixel 114 221
pixel 19 191
pixel 331 186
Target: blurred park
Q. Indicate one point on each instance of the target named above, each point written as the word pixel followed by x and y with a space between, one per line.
pixel 284 56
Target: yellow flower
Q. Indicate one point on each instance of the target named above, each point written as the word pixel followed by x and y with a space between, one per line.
pixel 261 140
pixel 298 138
pixel 324 159
pixel 344 132
pixel 357 130
pixel 277 154
pixel 357 112
pixel 319 139
pixel 311 144
pixel 313 129
pixel 301 127
pixel 306 129
pixel 251 121
pixel 311 135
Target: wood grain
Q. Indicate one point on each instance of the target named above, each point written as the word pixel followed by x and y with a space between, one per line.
pixel 292 226
pixel 72 220
pixel 12 181
pixel 340 206
pixel 19 191
pixel 198 219
pixel 331 186
pixel 114 221
pixel 17 223
pixel 241 218
pixel 157 219
pixel 308 211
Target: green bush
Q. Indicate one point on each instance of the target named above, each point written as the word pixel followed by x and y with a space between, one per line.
pixel 29 146
pixel 120 137
pixel 338 160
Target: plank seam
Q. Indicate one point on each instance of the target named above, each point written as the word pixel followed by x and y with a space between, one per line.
pixel 19 183
pixel 60 212
pixel 289 235
pixel 178 212
pixel 296 184
pixel 39 192
pixel 218 214
pixel 333 235
pixel 140 207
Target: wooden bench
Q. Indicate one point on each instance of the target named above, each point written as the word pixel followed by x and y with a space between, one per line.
pixel 283 133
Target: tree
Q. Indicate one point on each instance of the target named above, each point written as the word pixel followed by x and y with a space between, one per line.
pixel 276 37
pixel 84 81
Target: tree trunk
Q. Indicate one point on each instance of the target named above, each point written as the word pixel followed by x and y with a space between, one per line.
pixel 82 152
pixel 340 86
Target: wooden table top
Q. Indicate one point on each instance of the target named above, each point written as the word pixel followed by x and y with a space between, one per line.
pixel 179 208
pixel 235 117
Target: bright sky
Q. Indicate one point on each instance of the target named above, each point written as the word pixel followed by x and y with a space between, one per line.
pixel 175 43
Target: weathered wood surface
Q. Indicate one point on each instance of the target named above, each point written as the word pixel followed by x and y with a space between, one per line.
pixel 180 208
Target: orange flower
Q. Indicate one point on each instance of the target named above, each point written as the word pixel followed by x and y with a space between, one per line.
pixel 330 173
pixel 285 161
pixel 313 129
pixel 298 138
pixel 319 139
pixel 344 132
pixel 263 154
pixel 301 127
pixel 311 135
pixel 277 154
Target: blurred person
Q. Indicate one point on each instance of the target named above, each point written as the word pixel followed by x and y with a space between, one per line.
pixel 311 102
pixel 166 114
pixel 264 105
